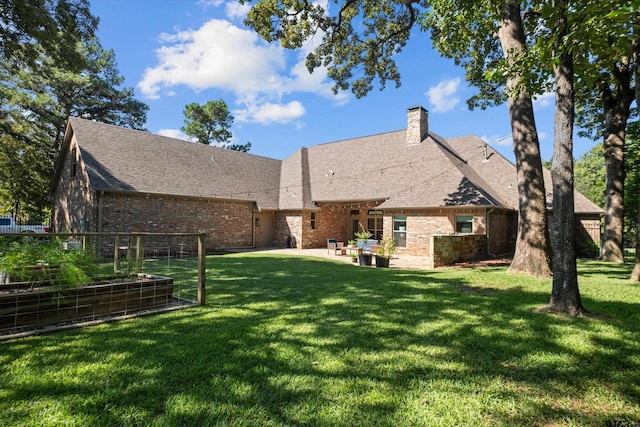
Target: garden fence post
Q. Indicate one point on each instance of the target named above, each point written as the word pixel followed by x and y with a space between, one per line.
pixel 202 269
pixel 116 255
pixel 139 253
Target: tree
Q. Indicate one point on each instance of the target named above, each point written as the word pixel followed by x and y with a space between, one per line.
pixel 589 174
pixel 565 294
pixel 366 35
pixel 632 181
pixel 635 52
pixel 210 123
pixel 499 68
pixel 37 99
pixel 57 26
pixel 606 94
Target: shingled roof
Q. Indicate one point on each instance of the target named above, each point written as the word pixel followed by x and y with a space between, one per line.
pixel 119 159
pixel 434 172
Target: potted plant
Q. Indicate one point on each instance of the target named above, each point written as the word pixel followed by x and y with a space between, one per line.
pixel 351 244
pixel 354 257
pixel 363 236
pixel 385 252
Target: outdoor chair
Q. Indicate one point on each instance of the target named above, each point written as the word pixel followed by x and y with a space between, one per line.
pixel 333 245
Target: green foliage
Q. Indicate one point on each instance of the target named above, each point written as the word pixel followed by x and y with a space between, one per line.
pixel 38 99
pixel 56 25
pixel 390 347
pixel 632 180
pixel 387 248
pixel 357 39
pixel 590 174
pixel 210 123
pixel 59 266
pixel 363 235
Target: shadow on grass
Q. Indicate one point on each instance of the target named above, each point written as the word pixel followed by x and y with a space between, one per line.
pixel 288 341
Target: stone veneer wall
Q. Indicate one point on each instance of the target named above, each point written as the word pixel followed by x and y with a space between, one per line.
pixel 424 223
pixel 449 249
pixel 73 201
pixel 502 230
pixel 588 237
pixel 287 230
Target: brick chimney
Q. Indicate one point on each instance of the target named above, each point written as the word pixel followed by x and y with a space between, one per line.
pixel 417 125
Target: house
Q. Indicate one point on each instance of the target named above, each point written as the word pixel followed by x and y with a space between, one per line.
pixel 411 184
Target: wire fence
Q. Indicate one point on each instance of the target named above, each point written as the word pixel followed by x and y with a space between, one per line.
pixel 63 280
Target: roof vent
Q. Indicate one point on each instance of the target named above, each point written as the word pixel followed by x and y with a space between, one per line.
pixel 417 125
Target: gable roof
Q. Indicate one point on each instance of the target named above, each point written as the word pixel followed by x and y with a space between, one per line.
pixel 119 159
pixel 384 167
pixel 437 172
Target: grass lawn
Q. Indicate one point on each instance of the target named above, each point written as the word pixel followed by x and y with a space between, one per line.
pixel 304 341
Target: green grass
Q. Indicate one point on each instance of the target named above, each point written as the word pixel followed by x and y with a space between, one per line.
pixel 303 341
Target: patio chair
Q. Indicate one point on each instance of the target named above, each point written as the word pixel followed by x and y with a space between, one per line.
pixel 333 245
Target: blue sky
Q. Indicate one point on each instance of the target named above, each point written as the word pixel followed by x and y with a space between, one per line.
pixel 174 52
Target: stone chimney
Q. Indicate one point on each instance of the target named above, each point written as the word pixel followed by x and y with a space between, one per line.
pixel 417 125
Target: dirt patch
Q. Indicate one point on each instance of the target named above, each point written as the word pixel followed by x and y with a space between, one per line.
pixel 478 263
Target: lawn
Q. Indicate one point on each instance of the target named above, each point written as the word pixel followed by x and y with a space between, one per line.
pixel 305 341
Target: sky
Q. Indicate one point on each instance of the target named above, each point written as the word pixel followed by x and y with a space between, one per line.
pixel 175 52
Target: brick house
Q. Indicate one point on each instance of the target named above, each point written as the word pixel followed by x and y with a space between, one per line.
pixel 410 184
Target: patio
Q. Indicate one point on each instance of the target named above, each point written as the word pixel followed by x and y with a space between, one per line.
pixel 400 261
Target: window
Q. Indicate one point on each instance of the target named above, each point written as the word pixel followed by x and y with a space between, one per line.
pixel 464 224
pixel 313 220
pixel 400 231
pixel 74 165
pixel 374 224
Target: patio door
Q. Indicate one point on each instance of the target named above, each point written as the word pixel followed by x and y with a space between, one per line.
pixel 263 229
pixel 355 225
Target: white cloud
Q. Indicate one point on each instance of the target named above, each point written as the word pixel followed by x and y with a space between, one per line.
pixel 544 100
pixel 235 10
pixel 205 4
pixel 270 113
pixel 223 56
pixel 218 54
pixel 442 96
pixel 174 133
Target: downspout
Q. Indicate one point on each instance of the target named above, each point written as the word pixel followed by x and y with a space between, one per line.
pixel 99 197
pixel 253 229
pixel 488 234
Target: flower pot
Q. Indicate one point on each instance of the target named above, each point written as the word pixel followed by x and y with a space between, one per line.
pixel 365 259
pixel 382 262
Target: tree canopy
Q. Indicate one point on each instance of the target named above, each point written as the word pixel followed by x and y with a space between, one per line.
pixel 55 70
pixel 210 123
pixel 57 26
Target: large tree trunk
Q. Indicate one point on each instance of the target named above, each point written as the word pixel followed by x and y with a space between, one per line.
pixel 635 274
pixel 532 242
pixel 616 113
pixel 612 249
pixel 565 294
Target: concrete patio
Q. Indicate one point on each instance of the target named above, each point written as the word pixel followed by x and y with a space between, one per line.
pixel 400 261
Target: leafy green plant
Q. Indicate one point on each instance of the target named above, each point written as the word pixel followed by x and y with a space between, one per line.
pixel 35 260
pixel 363 235
pixel 387 248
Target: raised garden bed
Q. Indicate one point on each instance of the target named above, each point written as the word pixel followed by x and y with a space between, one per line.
pixel 28 305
